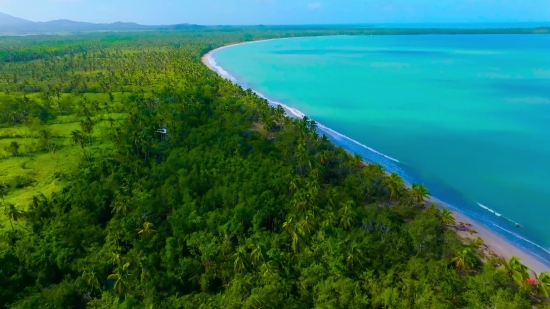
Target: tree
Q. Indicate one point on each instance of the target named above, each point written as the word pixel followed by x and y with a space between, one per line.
pixel 516 270
pixel 91 278
pixel 120 206
pixel 121 277
pixel 543 284
pixel 14 148
pixel 12 213
pixel 45 136
pixel 419 192
pixel 395 184
pixel 346 215
pixel 447 217
pixel 3 191
pixel 353 256
pixel 291 228
pixel 146 229
pixel 77 138
pixel 241 263
pixel 465 259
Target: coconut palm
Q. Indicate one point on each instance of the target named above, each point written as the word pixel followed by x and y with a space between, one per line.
pixel 14 148
pixel 77 138
pixel 91 278
pixel 357 160
pixel 346 215
pixel 290 227
pixel 257 255
pixel 543 284
pixel 120 206
pixel 121 279
pixel 419 192
pixel 465 259
pixel 307 225
pixel 395 184
pixel 447 217
pixel 45 136
pixel 516 270
pixel 146 229
pixel 3 191
pixel 12 213
pixel 375 170
pixel 241 262
pixel 353 256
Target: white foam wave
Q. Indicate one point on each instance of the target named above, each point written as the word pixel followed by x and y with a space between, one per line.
pixel 293 112
pixel 523 238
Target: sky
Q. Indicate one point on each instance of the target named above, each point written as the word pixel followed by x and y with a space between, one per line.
pixel 269 12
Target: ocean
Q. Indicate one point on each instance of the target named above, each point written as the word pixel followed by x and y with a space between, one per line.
pixel 466 115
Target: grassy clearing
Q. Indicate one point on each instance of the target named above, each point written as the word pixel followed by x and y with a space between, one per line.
pixel 41 168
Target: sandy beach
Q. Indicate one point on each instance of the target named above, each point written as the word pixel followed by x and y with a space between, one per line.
pixel 494 244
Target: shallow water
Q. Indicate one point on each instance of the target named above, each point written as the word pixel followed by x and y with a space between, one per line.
pixel 468 115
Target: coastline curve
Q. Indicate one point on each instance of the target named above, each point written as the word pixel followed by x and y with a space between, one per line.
pixel 495 242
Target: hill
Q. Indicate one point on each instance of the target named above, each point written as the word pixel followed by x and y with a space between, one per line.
pixel 15 25
pixel 8 20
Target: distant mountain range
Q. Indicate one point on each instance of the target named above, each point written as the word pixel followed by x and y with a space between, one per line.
pixel 15 25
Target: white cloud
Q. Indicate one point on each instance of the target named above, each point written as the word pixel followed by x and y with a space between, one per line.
pixel 314 5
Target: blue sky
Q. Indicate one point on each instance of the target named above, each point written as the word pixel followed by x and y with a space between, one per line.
pixel 243 12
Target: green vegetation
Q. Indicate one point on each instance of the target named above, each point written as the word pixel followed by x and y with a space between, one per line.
pixel 234 206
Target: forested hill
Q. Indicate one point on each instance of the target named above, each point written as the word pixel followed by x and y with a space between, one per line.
pixel 134 177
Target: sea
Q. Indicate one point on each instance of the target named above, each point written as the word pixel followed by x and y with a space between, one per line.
pixel 466 115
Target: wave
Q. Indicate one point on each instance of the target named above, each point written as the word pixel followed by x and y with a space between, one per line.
pixel 499 215
pixel 547 250
pixel 293 112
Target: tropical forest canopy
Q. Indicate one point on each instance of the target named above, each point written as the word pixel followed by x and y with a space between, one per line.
pixel 132 176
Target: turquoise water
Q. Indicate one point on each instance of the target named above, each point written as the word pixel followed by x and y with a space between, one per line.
pixel 468 115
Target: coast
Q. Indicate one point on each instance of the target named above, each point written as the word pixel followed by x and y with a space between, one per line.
pixel 494 244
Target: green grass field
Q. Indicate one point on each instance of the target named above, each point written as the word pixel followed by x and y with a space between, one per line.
pixel 40 168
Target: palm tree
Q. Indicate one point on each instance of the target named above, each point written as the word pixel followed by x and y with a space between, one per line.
pixel 516 270
pixel 447 217
pixel 3 191
pixel 395 184
pixel 291 228
pixel 121 279
pixel 307 224
pixel 354 256
pixel 324 157
pixel 91 278
pixel 14 148
pixel 12 213
pixel 375 170
pixel 45 135
pixel 543 283
pixel 279 113
pixel 77 138
pixel 419 192
pixel 240 263
pixel 257 255
pixel 346 213
pixel 146 229
pixel 357 160
pixel 464 260
pixel 120 206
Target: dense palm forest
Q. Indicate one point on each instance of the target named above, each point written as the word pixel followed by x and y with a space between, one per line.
pixel 132 176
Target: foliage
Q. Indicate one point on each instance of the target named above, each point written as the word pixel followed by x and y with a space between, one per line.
pixel 217 212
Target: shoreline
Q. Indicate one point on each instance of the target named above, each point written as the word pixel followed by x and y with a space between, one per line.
pixel 494 244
